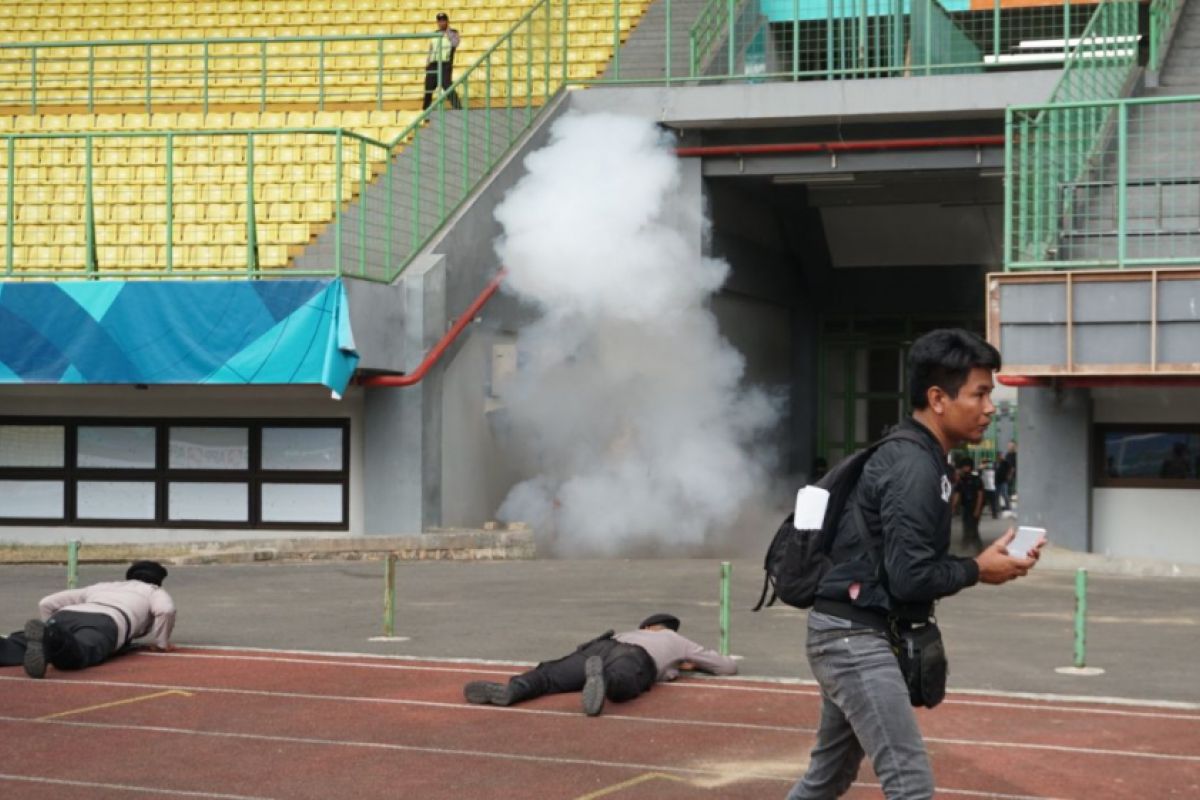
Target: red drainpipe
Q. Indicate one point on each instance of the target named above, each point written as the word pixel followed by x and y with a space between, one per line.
pixel 443 344
pixel 477 305
pixel 1099 381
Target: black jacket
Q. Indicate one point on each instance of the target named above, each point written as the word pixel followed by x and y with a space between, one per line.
pixel 904 495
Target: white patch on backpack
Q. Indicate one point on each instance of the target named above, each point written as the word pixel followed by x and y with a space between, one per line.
pixel 947 489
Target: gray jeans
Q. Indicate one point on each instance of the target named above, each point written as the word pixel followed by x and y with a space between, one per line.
pixel 865 707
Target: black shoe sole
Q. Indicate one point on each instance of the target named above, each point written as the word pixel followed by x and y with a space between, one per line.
pixel 479 692
pixel 35 651
pixel 593 686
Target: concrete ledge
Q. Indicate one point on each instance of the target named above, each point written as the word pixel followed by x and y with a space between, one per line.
pixel 436 545
pixel 1062 559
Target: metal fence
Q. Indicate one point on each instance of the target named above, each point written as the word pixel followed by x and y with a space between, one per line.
pixel 253 71
pixel 1108 183
pixel 273 201
pixel 1163 14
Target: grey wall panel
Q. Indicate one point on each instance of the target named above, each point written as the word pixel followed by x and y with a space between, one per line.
pixel 1123 301
pixel 1179 342
pixel 1178 300
pixel 1116 343
pixel 1034 344
pixel 1033 302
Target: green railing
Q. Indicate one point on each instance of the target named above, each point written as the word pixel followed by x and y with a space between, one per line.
pixel 1067 142
pixel 254 71
pixel 835 39
pixel 1134 202
pixel 274 201
pixel 1162 18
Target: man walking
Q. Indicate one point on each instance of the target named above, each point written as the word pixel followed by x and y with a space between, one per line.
pixel 81 628
pixel 987 476
pixel 618 668
pixel 439 71
pixel 968 498
pixel 1006 473
pixel 890 563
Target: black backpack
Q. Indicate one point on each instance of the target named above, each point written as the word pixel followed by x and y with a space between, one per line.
pixel 797 560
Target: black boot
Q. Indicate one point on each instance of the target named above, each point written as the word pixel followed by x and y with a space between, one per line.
pixel 593 687
pixel 499 694
pixel 35 652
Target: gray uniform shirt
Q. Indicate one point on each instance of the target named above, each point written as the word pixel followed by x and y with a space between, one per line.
pixel 669 650
pixel 149 608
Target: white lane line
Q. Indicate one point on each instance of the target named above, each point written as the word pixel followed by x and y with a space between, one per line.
pixel 722 683
pixel 396 701
pixel 453 751
pixel 124 787
pixel 456 706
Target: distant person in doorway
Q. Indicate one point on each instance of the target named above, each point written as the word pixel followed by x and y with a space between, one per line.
pixel 81 628
pixel 968 498
pixel 1177 465
pixel 1005 474
pixel 987 475
pixel 439 71
pixel 614 667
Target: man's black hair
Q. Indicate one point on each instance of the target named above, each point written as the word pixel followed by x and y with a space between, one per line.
pixel 944 358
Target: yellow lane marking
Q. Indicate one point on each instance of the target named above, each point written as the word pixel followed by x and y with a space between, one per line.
pixel 649 776
pixel 126 701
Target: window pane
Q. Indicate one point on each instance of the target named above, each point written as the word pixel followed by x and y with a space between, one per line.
pixel 31 445
pixel 222 502
pixel 1170 456
pixel 115 500
pixel 31 499
pixel 114 447
pixel 209 448
pixel 301 502
pixel 302 448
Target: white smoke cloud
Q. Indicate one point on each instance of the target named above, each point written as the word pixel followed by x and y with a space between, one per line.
pixel 627 399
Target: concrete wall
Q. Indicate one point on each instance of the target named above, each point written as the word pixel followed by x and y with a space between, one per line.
pixel 1054 469
pixel 187 401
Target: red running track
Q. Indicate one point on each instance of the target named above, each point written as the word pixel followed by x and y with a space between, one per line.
pixel 261 724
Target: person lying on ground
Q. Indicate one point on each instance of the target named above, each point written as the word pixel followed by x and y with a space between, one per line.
pixel 81 628
pixel 614 667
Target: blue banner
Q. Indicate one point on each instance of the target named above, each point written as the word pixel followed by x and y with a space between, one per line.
pixel 177 332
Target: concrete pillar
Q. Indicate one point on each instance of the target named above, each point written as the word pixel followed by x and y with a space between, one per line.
pixel 1055 464
pixel 402 436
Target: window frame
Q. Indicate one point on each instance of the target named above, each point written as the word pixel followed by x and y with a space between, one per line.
pixel 1100 477
pixel 254 476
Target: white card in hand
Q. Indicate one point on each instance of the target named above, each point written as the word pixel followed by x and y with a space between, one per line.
pixel 810 508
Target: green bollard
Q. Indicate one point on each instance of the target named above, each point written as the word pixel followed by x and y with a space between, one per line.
pixel 73 564
pixel 726 570
pixel 1080 618
pixel 389 596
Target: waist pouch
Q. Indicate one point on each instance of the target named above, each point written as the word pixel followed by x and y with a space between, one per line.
pixel 923 662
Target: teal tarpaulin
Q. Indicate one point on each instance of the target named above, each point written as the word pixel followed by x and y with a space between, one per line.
pixel 177 332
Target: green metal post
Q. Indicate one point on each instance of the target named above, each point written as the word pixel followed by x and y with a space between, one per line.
pixel 795 40
pixel 1008 189
pixel 33 98
pixel 996 28
pixel 379 74
pixel 667 66
pixel 251 226
pixel 617 39
pixel 730 30
pixel 362 208
pixel 692 66
pixel 487 111
pixel 389 596
pixel 170 202
pixel 89 208
pixel 262 89
pixel 528 71
pixel 829 60
pixel 1122 182
pixel 9 209
pixel 337 200
pixel 726 569
pixel 1081 617
pixel 204 90
pixel 91 79
pixel 149 80
pixel 566 30
pixel 441 156
pixel 321 75
pixel 508 43
pixel 415 222
pixel 1066 33
pixel 73 564
pixel 391 214
pixel 466 136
